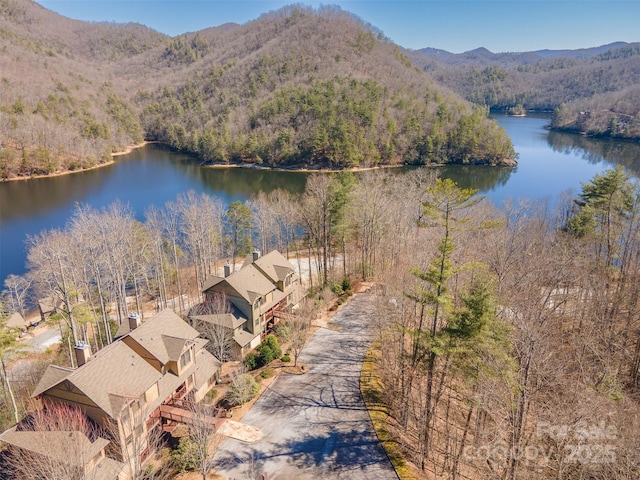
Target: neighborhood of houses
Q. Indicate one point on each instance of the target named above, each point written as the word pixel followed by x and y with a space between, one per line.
pixel 133 388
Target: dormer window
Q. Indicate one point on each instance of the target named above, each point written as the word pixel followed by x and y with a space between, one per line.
pixel 185 358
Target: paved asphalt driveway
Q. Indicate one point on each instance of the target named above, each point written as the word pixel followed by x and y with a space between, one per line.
pixel 315 425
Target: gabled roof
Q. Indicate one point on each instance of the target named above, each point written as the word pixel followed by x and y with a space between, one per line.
pixel 174 346
pixel 243 338
pixel 115 371
pixel 16 321
pixel 275 266
pixel 255 278
pixel 232 320
pixel 52 376
pixel 116 374
pixel 250 283
pixel 211 281
pixel 49 304
pixel 61 446
pixel 164 336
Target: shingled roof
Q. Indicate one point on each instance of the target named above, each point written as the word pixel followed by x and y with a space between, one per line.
pixel 164 336
pixel 250 283
pixel 232 320
pixel 66 446
pixel 16 321
pixel 102 378
pixel 52 376
pixel 56 444
pixel 274 265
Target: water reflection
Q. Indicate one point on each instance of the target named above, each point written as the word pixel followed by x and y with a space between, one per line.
pixel 595 150
pixel 482 178
pixel 39 196
pixel 243 182
pixel 550 163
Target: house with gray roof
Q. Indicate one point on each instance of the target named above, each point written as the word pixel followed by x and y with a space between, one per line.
pixel 256 297
pixel 122 387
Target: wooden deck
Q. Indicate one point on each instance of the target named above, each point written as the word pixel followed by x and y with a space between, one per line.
pixel 228 428
pixel 180 415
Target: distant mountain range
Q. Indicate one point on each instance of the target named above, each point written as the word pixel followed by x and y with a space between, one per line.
pixel 482 56
pixel 593 91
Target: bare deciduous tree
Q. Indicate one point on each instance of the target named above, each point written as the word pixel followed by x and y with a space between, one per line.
pixel 216 310
pixel 203 435
pixel 17 291
pixel 295 329
pixel 57 443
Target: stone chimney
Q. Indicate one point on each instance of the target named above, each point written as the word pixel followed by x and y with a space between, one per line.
pixel 134 321
pixel 256 254
pixel 83 353
pixel 227 270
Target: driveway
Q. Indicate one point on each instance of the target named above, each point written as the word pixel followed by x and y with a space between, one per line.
pixel 44 340
pixel 315 425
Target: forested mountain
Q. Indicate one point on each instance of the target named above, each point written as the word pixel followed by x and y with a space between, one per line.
pixel 594 91
pixel 482 57
pixel 61 106
pixel 296 86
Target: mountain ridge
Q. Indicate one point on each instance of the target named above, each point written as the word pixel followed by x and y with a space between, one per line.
pixel 298 85
pixel 583 52
pixel 592 91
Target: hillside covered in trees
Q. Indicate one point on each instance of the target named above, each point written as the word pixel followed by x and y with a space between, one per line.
pixel 509 340
pixel 593 91
pixel 297 86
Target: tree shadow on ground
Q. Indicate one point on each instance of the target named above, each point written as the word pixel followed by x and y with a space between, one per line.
pixel 337 454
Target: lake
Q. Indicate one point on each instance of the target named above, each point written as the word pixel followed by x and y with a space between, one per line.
pixel 549 164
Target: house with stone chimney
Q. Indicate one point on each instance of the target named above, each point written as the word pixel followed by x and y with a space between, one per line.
pixel 126 388
pixel 257 296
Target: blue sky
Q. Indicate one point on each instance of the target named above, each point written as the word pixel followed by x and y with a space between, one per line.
pixel 453 25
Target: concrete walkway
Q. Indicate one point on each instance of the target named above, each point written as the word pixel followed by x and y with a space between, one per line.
pixel 240 431
pixel 315 425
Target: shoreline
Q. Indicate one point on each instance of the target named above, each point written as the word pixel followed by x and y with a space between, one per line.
pixel 126 151
pixel 508 162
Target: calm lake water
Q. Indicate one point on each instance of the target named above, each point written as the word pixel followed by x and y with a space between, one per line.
pixel 549 164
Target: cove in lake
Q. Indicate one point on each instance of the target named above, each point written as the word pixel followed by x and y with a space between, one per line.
pixel 549 164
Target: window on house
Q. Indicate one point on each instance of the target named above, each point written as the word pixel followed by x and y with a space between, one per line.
pixel 135 406
pixel 190 381
pixel 185 358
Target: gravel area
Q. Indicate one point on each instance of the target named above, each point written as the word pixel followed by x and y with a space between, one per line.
pixel 315 425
